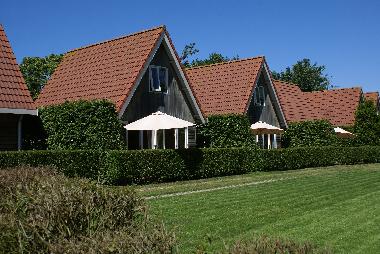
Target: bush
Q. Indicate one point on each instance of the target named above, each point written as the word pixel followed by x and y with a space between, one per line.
pixel 223 131
pixel 82 125
pixel 367 124
pixel 44 212
pixel 266 244
pixel 309 133
pixel 155 166
pixel 84 163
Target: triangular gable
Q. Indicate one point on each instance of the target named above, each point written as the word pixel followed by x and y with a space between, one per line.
pixel 164 40
pixel 14 94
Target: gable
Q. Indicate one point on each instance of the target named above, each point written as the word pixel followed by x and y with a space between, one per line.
pixel 265 112
pixel 175 102
pixel 14 94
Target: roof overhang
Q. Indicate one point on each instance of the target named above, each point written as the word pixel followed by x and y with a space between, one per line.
pixel 17 111
pixel 163 39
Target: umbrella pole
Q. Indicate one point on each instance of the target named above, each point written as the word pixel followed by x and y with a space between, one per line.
pixel 163 139
pixel 141 139
pixel 186 137
pixel 175 138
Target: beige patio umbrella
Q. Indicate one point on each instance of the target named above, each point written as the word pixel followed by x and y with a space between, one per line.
pixel 343 133
pixel 262 128
pixel 160 121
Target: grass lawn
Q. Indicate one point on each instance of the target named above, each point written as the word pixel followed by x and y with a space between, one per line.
pixel 335 206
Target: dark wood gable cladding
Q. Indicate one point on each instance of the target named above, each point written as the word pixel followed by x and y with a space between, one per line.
pixel 266 112
pixel 174 102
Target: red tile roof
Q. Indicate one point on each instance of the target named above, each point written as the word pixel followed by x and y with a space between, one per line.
pixel 337 105
pixel 225 87
pixel 14 93
pixel 372 96
pixel 106 70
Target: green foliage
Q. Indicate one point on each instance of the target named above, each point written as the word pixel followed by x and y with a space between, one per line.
pixel 309 133
pixel 44 212
pixel 82 125
pixel 37 71
pixel 190 50
pixel 309 77
pixel 142 166
pixel 187 52
pixel 367 124
pixel 213 58
pixel 222 131
pixel 83 163
pixel 154 166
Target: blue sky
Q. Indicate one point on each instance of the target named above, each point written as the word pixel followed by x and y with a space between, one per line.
pixel 343 35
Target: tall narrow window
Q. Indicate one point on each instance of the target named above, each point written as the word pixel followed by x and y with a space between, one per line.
pixel 262 95
pixel 259 96
pixel 158 79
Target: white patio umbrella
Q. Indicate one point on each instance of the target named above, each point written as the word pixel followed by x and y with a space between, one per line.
pixel 343 133
pixel 160 121
pixel 264 128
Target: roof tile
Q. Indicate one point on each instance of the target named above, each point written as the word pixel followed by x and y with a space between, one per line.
pixel 337 105
pixel 224 87
pixel 105 70
pixel 14 93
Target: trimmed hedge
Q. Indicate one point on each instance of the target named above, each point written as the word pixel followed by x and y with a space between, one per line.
pixel 224 131
pixel 82 125
pixel 83 163
pixel 154 166
pixel 309 133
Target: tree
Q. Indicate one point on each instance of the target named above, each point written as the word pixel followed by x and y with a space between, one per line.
pixel 367 124
pixel 309 77
pixel 38 70
pixel 190 50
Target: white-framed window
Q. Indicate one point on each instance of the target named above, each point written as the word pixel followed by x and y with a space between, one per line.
pixel 158 79
pixel 259 96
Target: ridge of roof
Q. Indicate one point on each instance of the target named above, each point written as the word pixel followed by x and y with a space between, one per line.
pixel 336 89
pixel 372 93
pixel 228 62
pixel 285 82
pixel 163 27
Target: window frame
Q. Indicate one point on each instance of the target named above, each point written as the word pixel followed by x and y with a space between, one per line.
pixel 259 96
pixel 158 70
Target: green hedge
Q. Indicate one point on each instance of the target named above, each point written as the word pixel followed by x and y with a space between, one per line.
pixel 153 166
pixel 224 131
pixel 84 163
pixel 309 133
pixel 82 125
